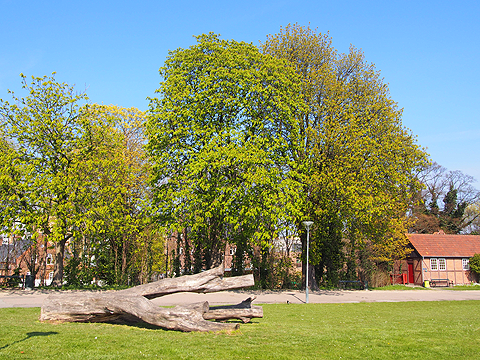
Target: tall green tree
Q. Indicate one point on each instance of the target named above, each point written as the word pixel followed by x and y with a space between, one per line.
pixel 359 162
pixel 51 137
pixel 222 135
pixel 116 218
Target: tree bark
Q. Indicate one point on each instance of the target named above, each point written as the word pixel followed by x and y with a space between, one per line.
pixel 243 311
pixel 132 305
pixel 58 268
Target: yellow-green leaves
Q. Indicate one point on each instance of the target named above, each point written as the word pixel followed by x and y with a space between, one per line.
pixel 221 137
pixel 358 161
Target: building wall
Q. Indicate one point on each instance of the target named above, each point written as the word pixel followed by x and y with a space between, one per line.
pixel 21 251
pixel 454 271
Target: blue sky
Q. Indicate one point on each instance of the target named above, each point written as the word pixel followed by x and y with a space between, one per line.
pixel 427 51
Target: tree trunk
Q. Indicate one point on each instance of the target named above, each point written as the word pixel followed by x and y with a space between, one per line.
pixel 132 305
pixel 243 311
pixel 58 268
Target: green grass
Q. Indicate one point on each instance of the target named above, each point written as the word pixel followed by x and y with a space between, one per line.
pixel 465 287
pixel 421 330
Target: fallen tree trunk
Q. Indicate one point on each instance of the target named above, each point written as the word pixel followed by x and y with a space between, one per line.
pixel 133 304
pixel 243 311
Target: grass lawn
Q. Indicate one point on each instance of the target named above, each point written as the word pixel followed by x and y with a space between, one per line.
pixel 465 287
pixel 407 330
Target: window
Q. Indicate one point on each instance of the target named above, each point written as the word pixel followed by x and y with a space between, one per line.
pixel 232 251
pixel 5 239
pixel 465 264
pixel 442 264
pixel 50 275
pixel 438 264
pixel 49 259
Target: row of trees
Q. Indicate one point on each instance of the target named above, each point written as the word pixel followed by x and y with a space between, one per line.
pixel 76 173
pixel 247 142
pixel 239 146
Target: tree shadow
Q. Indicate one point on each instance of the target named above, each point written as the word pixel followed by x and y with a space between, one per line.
pixel 30 335
pixel 296 297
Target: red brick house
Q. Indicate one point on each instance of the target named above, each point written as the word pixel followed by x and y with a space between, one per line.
pixel 16 253
pixel 439 256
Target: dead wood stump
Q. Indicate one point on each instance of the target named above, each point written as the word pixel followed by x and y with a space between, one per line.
pixel 133 305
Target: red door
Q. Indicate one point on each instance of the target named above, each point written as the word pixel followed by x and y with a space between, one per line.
pixel 411 278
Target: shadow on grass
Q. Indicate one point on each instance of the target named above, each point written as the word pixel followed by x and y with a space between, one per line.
pixel 30 335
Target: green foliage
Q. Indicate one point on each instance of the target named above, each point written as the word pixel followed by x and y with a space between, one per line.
pixel 359 162
pixel 221 138
pixel 78 175
pixel 245 145
pixel 475 263
pixel 76 274
pixel 51 137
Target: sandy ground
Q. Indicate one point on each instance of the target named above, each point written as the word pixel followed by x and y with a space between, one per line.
pixel 35 298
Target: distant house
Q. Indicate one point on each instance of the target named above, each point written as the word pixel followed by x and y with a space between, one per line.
pixel 439 256
pixel 10 252
pixel 16 253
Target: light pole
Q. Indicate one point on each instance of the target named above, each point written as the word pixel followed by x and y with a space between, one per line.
pixel 307 225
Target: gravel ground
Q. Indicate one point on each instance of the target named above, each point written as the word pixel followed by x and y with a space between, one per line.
pixel 35 298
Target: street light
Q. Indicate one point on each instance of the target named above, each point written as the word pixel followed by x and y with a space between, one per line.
pixel 307 225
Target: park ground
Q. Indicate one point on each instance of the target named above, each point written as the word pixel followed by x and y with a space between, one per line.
pixel 35 298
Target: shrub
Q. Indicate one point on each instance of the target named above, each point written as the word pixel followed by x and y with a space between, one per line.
pixel 475 263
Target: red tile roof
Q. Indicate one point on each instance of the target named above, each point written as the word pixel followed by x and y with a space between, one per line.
pixel 444 245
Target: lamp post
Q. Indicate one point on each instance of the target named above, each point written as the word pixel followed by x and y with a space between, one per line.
pixel 307 225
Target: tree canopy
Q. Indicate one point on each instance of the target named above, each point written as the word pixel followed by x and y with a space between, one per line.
pixel 239 146
pixel 246 144
pixel 222 136
pixel 76 173
pixel 359 161
pixel 51 137
pixel 452 188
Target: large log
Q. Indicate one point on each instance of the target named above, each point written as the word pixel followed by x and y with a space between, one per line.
pixel 243 311
pixel 133 305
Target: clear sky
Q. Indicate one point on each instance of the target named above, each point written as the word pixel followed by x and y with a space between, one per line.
pixel 428 52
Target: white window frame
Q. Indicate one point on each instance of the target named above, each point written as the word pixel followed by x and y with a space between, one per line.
pixel 466 264
pixel 49 259
pixel 433 264
pixel 233 251
pixel 5 239
pixel 442 264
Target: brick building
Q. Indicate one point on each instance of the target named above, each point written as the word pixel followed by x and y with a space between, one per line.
pixel 439 256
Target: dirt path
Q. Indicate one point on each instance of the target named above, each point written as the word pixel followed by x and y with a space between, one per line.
pixel 35 298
